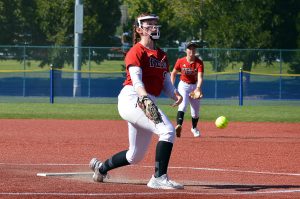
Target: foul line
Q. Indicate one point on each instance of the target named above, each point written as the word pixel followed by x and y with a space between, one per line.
pixel 146 193
pixel 238 171
pixel 42 164
pixel 171 167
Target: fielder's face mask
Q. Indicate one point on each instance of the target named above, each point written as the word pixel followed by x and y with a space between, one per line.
pixel 154 35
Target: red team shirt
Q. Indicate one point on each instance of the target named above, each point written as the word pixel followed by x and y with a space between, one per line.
pixel 188 70
pixel 154 64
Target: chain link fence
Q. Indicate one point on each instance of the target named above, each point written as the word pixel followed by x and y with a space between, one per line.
pixel 269 76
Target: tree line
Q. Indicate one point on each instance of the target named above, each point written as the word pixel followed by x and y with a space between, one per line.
pixel 44 22
pixel 267 24
pixel 221 23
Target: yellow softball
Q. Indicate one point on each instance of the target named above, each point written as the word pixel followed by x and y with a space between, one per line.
pixel 221 122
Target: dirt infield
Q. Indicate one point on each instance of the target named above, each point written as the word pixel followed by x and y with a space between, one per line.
pixel 245 160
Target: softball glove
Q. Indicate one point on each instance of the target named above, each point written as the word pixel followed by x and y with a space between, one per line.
pixel 150 109
pixel 196 95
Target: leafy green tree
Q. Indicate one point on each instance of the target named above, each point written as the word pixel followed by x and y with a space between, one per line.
pixel 101 18
pixel 295 66
pixel 285 27
pixel 295 63
pixel 189 16
pixel 238 24
pixel 252 24
pixel 56 20
pixel 283 24
pixel 17 22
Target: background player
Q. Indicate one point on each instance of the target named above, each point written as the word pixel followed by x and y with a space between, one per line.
pixel 191 79
pixel 148 74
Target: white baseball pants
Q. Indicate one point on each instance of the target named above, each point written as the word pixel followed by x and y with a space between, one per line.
pixel 184 89
pixel 140 128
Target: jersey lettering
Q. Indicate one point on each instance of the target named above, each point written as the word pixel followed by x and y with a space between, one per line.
pixel 157 63
pixel 188 71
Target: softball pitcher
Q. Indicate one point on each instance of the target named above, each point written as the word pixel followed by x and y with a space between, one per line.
pixel 191 79
pixel 147 71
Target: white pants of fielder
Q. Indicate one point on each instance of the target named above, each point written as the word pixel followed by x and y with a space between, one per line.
pixel 184 89
pixel 140 128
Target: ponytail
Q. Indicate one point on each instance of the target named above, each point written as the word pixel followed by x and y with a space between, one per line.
pixel 134 35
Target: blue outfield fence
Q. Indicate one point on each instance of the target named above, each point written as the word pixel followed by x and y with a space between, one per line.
pixel 25 75
pixel 56 86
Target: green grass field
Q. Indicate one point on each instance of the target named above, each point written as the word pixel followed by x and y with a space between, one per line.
pixel 110 112
pixel 116 65
pixel 106 65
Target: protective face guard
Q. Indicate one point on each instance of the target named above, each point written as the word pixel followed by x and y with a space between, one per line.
pixel 154 35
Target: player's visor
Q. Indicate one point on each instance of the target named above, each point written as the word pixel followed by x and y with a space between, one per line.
pixel 149 17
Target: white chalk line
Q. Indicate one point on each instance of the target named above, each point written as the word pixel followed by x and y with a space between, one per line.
pixel 296 191
pixel 41 164
pixel 171 167
pixel 238 171
pixel 146 193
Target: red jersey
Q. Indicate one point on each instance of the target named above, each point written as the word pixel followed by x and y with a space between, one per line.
pixel 188 70
pixel 154 64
